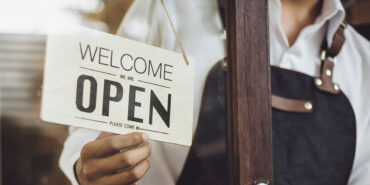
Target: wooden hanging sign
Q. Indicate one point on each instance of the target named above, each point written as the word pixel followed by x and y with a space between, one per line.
pixel 108 83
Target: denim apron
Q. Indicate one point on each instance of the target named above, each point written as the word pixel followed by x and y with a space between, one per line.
pixel 313 123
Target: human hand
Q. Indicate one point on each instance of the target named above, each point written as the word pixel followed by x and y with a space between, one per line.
pixel 114 159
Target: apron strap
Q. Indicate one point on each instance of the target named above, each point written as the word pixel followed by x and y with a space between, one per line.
pixel 291 105
pixel 325 81
pixel 338 41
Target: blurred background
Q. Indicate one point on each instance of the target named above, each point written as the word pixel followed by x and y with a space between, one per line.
pixel 30 148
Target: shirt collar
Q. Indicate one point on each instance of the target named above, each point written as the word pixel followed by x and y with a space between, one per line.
pixel 332 12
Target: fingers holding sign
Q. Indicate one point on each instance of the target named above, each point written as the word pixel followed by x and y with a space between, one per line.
pixel 108 144
pixel 114 159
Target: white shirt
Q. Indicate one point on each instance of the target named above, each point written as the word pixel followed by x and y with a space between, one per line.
pixel 199 28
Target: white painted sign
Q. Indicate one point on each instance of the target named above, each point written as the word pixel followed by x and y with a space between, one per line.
pixel 108 83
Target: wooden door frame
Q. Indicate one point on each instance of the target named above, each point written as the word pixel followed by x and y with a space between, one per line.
pixel 249 93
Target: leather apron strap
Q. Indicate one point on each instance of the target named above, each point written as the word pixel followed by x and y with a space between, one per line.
pixel 324 82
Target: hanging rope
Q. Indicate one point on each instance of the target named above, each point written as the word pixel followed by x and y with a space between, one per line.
pixel 174 32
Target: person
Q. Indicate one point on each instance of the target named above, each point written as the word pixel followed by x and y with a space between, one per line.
pixel 328 145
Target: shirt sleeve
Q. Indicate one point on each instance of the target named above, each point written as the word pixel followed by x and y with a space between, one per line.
pixel 77 138
pixel 138 21
pixel 135 25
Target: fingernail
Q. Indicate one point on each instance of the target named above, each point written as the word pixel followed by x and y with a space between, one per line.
pixel 145 136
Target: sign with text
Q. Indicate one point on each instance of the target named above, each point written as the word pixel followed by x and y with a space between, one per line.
pixel 108 83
